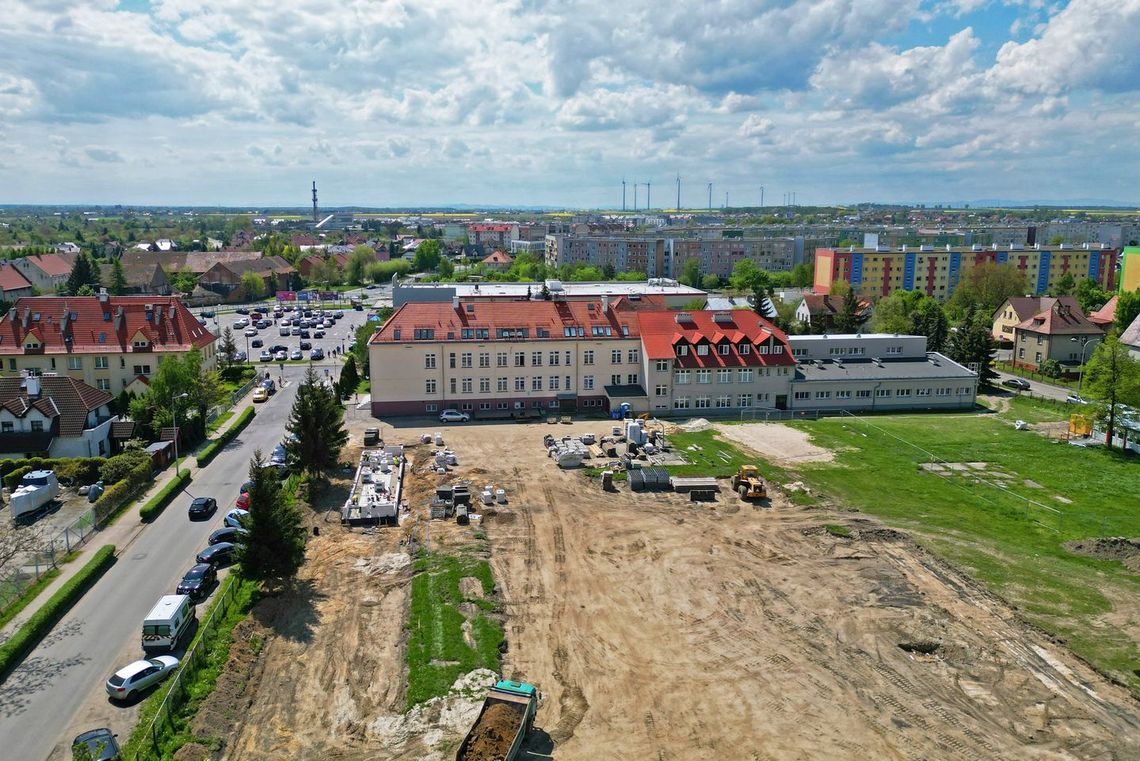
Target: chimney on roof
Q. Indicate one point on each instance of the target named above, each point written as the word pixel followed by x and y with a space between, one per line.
pixel 455 302
pixel 32 386
pixel 104 297
pixel 27 316
pixel 605 304
pixel 12 314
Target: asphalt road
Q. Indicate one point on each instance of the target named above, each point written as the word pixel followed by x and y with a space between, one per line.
pixel 58 690
pixel 1056 393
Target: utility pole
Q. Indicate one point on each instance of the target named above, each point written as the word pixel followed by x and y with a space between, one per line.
pixel 623 194
pixel 635 195
pixel 648 205
pixel 315 216
pixel 678 192
pixel 710 196
pixel 761 196
pixel 726 200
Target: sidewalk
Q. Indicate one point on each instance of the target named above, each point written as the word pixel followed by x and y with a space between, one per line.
pixel 121 533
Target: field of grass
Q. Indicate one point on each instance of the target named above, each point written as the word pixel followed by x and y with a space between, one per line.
pixel 437 653
pixel 1008 531
pixel 1033 410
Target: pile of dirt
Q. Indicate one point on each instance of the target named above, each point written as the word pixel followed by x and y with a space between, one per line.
pixel 696 425
pixel 492 736
pixel 1119 548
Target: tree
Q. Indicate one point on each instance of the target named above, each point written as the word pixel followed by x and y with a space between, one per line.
pixel 847 320
pixel 1127 309
pixel 252 286
pixel 691 273
pixel 317 424
pixel 83 273
pixel 1090 295
pixel 930 320
pixel 1113 376
pixel 275 545
pixel 349 378
pixel 182 281
pixel 710 282
pixel 445 268
pixel 802 275
pixel 894 314
pixel 177 374
pixel 747 277
pixel 1066 284
pixel 973 344
pixel 118 285
pixel 226 349
pixel 986 287
pixel 427 256
pixel 358 262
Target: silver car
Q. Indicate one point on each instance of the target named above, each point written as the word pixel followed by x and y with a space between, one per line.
pixel 137 676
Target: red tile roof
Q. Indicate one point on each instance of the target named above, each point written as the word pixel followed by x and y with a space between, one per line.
pixel 497 257
pixel 1106 315
pixel 52 265
pixel 95 327
pixel 662 331
pixel 483 227
pixel 60 396
pixel 553 317
pixel 11 279
pixel 1060 316
pixel 824 304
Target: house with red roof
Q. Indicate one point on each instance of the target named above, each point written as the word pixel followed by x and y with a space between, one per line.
pixel 497 260
pixel 13 285
pixel 108 342
pixel 53 416
pixel 47 272
pixel 1059 331
pixel 1106 315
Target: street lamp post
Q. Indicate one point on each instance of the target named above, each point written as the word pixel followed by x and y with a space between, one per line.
pixel 174 411
pixel 1085 342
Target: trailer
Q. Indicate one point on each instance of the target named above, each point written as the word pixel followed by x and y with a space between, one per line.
pixel 504 720
pixel 35 491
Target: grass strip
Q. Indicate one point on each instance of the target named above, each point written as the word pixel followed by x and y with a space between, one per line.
pixel 30 593
pixel 17 647
pixel 156 504
pixel 211 450
pixel 437 653
pixel 220 420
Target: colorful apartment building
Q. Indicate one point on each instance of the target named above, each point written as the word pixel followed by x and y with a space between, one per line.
pixel 937 271
pixel 1130 269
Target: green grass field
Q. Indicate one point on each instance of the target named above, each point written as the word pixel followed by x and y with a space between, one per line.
pixel 1005 522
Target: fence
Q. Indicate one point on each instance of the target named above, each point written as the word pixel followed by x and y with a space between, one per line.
pixel 177 693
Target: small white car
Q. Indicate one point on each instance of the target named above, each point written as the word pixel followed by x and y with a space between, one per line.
pixel 250 332
pixel 240 323
pixel 137 676
pixel 236 518
pixel 453 416
pixel 281 356
pixel 296 354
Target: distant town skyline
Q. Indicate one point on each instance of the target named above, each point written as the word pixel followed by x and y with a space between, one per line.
pixel 483 103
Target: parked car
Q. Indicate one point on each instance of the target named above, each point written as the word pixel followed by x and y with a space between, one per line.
pixel 198 581
pixel 284 331
pixel 296 330
pixel 257 343
pixel 266 356
pixel 306 345
pixel 279 455
pixel 305 333
pixel 136 677
pixel 317 353
pixel 97 745
pixel 242 310
pixel 240 323
pixel 281 356
pixel 250 332
pixel 228 534
pixel 240 356
pixel 1074 399
pixel 263 324
pixel 202 507
pixel 318 334
pixel 208 313
pixel 453 416
pixel 242 501
pixel 278 347
pixel 296 354
pixel 218 554
pixel 246 486
pixel 1019 383
pixel 235 518
pixel 260 395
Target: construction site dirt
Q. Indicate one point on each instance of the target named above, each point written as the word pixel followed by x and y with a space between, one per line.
pixel 658 628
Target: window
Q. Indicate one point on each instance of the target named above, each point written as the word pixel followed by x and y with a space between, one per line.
pixel 451 384
pixel 588 357
pixel 1040 340
pixel 484 359
pixel 500 384
pixel 431 407
pixel 142 369
pixel 12 364
pixel 704 376
pixel 661 390
pixel 568 384
pixel 1021 353
pixel 724 401
pixel 555 383
pixel 777 349
pixel 615 357
pixel 894 350
pixel 520 383
pixel 466 360
pixel 744 375
pixel 429 386
pixel 702 402
pixel 536 359
pixel 682 350
pixel 863 393
pixel 429 361
pixel 421 334
pixel 822 394
pixel 724 349
pixel 1038 357
pixel 142 344
pixel 484 406
pixel 536 383
pixel 484 385
pixel 702 350
pixel 615 379
pixel 75 363
pixel 681 403
pixel 633 356
pixel 744 400
pixel 6 427
pixel 681 377
pixel 467 385
pixel 520 359
pixel 922 392
pixel 842 394
pixel 501 405
pixel 802 395
pixel 762 349
pixel 451 360
pixel 881 392
pixel 963 389
pixel 37 426
pixel 103 384
pixel 745 348
pixel 501 359
pixel 587 383
pixel 799 352
pixel 554 357
pixel 631 378
pixel 569 359
pixel 724 375
pixel 942 392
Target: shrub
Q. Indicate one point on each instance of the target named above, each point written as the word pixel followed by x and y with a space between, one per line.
pixel 211 450
pixel 153 508
pixel 81 470
pixel 116 497
pixel 119 467
pixel 28 636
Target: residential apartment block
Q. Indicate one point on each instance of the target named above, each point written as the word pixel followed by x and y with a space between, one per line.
pixel 1058 331
pixel 108 342
pixel 492 358
pixel 658 256
pixel 47 272
pixel 937 271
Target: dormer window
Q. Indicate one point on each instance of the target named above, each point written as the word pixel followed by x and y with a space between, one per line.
pixel 702 350
pixel 745 348
pixel 141 343
pixel 683 350
pixel 31 343
pixel 724 349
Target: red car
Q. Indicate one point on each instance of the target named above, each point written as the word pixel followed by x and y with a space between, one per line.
pixel 242 501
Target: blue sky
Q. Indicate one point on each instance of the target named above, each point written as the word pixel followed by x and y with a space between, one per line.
pixel 553 102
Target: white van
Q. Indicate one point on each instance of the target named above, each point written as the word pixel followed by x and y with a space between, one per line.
pixel 163 628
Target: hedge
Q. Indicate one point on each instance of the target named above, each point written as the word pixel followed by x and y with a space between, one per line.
pixel 119 495
pixel 17 647
pixel 154 507
pixel 211 450
pixel 80 470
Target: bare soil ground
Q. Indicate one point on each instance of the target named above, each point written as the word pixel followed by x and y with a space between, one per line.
pixel 660 629
pixel 777 443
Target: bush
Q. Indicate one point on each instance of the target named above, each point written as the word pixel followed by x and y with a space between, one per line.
pixel 117 496
pixel 120 466
pixel 211 450
pixel 28 636
pixel 154 507
pixel 81 470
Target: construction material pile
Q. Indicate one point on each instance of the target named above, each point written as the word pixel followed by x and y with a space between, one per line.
pixel 491 738
pixel 568 452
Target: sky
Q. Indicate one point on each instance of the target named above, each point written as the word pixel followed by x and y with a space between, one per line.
pixel 554 102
